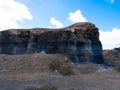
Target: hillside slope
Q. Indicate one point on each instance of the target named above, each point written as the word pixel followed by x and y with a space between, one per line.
pixel 35 71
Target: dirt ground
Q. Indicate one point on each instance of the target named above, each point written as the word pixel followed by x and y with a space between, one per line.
pixel 31 71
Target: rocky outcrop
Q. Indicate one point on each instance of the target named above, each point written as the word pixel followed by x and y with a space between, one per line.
pixel 80 42
pixel 118 49
pixel 112 56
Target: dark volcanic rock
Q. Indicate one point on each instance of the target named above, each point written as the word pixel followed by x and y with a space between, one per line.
pixel 118 49
pixel 80 42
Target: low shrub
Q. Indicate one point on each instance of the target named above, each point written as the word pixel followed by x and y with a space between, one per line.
pixel 32 88
pixel 66 69
pixel 62 67
pixel 54 65
pixel 117 68
pixel 88 68
pixel 48 87
pixel 43 87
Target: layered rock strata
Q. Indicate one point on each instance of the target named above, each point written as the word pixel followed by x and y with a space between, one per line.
pixel 80 42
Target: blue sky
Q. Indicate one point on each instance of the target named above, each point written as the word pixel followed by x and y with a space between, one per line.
pixel 104 14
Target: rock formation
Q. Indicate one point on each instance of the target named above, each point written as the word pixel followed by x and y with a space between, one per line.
pixel 80 42
pixel 118 49
pixel 112 56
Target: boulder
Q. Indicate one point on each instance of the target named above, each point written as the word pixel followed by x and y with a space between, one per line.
pixel 80 42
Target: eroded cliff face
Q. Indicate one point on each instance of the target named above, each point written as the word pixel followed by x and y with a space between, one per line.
pixel 80 42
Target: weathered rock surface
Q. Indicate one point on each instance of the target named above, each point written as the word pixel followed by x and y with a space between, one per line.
pixel 80 42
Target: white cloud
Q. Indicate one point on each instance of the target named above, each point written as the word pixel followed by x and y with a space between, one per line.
pixel 112 1
pixel 110 39
pixel 11 12
pixel 55 22
pixel 76 17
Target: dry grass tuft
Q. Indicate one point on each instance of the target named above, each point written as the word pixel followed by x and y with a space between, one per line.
pixel 48 87
pixel 66 69
pixel 87 68
pixel 32 88
pixel 43 87
pixel 54 65
pixel 117 68
pixel 62 67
